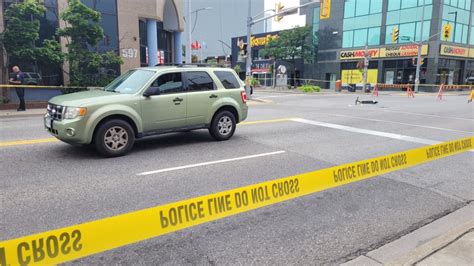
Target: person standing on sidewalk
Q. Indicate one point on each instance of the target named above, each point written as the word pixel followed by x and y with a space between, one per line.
pixel 19 79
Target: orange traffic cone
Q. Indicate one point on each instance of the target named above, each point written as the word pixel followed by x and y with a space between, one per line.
pixel 410 92
pixel 440 92
pixel 376 91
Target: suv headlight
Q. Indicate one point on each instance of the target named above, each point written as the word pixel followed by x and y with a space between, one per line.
pixel 73 112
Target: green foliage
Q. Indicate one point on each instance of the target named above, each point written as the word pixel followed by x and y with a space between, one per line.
pixel 22 32
pixel 254 82
pixel 291 44
pixel 4 99
pixel 309 88
pixel 237 69
pixel 87 68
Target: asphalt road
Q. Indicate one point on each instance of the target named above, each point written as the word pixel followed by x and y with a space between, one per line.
pixel 52 185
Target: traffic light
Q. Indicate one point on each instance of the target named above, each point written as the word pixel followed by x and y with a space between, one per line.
pixel 447 32
pixel 395 33
pixel 414 59
pixel 278 8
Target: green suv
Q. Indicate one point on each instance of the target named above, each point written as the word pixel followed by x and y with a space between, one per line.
pixel 149 101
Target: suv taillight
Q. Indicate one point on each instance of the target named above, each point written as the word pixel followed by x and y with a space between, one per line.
pixel 243 94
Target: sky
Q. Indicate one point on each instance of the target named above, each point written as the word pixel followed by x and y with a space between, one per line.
pixel 225 20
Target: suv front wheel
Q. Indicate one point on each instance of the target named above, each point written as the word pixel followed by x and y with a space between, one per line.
pixel 223 126
pixel 114 138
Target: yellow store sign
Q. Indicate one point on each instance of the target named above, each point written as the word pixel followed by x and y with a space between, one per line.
pixel 325 11
pixel 403 51
pixel 457 51
pixel 356 76
pixel 356 54
pixel 471 53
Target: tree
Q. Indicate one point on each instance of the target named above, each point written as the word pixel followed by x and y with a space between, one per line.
pixel 21 36
pixel 291 44
pixel 87 67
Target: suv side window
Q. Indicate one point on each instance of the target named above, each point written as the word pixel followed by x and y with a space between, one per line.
pixel 199 81
pixel 169 83
pixel 227 79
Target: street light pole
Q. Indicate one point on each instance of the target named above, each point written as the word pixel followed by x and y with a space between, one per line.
pixel 188 31
pixel 366 66
pixel 248 61
pixel 455 21
pixel 420 46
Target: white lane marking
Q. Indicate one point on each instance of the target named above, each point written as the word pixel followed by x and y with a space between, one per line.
pixel 419 114
pixel 279 96
pixel 399 123
pixel 210 163
pixel 367 131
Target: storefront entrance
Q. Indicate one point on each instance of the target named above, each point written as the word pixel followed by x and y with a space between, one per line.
pixel 402 71
pixel 450 72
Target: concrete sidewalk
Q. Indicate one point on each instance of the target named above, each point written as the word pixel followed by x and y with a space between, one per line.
pixel 345 92
pixel 446 241
pixel 27 113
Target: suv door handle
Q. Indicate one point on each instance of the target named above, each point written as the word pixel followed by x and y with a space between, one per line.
pixel 213 96
pixel 177 99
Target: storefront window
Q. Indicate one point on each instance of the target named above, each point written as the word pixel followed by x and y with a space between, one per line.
pixel 450 71
pixel 402 71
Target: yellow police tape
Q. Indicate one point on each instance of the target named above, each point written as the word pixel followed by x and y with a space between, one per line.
pixel 85 239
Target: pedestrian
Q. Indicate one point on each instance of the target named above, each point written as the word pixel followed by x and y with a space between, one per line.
pixel 19 79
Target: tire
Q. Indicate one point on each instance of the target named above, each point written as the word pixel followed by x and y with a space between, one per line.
pixel 223 126
pixel 114 138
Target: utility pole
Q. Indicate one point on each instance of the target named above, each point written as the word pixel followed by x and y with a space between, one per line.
pixel 248 61
pixel 420 46
pixel 366 66
pixel 188 31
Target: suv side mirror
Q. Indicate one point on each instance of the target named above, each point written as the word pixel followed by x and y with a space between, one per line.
pixel 151 91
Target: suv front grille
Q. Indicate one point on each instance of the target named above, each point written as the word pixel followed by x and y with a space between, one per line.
pixel 56 112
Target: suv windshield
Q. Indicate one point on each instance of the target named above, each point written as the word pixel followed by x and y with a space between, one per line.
pixel 131 81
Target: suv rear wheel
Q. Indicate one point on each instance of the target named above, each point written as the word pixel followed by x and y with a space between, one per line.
pixel 223 126
pixel 114 138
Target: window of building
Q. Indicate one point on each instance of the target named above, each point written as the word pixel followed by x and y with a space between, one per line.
pixel 164 43
pixel 357 8
pixel 227 79
pixel 108 11
pixel 472 36
pixel 362 22
pixel 199 81
pixel 461 4
pixel 143 40
pixel 316 12
pixel 457 15
pixel 406 15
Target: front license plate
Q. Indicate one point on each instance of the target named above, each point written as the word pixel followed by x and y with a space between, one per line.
pixel 47 122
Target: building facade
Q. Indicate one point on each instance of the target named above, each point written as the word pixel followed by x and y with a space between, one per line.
pixel 389 29
pixel 142 32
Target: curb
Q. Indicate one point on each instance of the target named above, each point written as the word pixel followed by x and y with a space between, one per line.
pixel 27 113
pixel 421 243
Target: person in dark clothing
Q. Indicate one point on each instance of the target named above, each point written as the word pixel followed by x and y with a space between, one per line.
pixel 19 79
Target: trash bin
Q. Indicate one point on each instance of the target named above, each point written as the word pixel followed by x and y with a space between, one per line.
pixel 338 85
